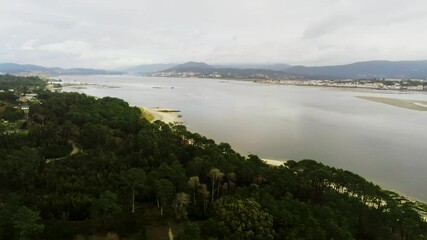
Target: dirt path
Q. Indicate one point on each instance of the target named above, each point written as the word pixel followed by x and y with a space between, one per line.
pixel 73 152
pixel 75 149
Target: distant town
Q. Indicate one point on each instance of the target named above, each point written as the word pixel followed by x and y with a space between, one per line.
pixel 379 84
pixel 237 74
pixel 380 75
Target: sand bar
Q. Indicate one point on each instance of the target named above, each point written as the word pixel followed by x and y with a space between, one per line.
pixel 402 103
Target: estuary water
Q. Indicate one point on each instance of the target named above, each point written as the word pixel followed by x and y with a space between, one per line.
pixel 383 143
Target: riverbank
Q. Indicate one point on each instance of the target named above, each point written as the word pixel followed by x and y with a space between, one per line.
pixel 162 114
pixel 418 205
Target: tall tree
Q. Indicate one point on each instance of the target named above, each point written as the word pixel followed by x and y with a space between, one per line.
pixel 26 222
pixel 106 206
pixel 242 219
pixel 182 201
pixel 216 176
pixel 135 178
pixel 164 191
pixel 205 194
pixel 194 183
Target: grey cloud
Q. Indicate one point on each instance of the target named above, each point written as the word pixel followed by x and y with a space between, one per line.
pixel 325 26
pixel 110 34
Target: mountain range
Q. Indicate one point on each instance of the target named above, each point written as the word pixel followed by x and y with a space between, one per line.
pixel 273 67
pixel 13 68
pixel 148 68
pixel 369 69
pixel 200 69
pixel 358 70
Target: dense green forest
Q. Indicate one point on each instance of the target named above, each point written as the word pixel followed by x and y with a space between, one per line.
pixel 77 167
pixel 20 84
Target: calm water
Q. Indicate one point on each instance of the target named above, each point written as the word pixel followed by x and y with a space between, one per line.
pixel 382 143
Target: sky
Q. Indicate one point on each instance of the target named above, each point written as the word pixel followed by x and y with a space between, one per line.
pixel 113 34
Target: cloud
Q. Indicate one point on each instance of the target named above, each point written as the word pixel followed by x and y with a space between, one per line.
pixel 68 46
pixel 111 34
pixel 326 26
pixel 29 45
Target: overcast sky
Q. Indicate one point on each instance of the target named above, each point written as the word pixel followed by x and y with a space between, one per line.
pixel 110 34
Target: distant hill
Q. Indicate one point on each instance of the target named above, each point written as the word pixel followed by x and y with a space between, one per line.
pixel 273 67
pixel 235 72
pixel 188 66
pixel 369 69
pixel 202 65
pixel 13 68
pixel 201 69
pixel 21 68
pixel 149 68
pixel 358 70
pixel 205 68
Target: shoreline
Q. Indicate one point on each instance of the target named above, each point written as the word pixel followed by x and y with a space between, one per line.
pixel 163 116
pixel 403 197
pixel 262 81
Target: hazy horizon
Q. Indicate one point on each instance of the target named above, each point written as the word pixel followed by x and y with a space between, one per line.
pixel 111 35
pixel 213 64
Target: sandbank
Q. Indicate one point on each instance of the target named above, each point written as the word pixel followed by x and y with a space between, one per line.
pixel 163 114
pixel 273 162
pixel 402 103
